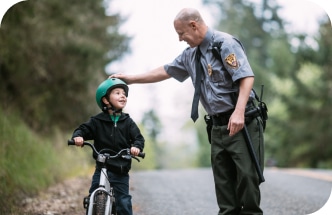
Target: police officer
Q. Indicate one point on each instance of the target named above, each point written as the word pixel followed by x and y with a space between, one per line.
pixel 236 181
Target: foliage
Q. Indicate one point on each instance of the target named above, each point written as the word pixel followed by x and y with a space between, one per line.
pixel 52 57
pixel 151 159
pixel 152 127
pixel 306 134
pixel 28 163
pixel 203 158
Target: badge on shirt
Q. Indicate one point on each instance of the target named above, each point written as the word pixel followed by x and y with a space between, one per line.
pixel 209 69
pixel 232 61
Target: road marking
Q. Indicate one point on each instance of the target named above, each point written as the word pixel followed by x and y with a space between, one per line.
pixel 306 173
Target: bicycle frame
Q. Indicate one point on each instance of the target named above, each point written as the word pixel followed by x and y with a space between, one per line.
pixel 102 200
pixel 104 187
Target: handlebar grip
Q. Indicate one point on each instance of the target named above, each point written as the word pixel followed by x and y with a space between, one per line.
pixel 71 143
pixel 141 155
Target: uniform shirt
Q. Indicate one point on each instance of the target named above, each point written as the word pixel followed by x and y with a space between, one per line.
pixel 219 79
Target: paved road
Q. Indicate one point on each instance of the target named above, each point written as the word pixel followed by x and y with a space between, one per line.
pixel 184 192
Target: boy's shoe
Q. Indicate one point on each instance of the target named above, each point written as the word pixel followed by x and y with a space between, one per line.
pixel 86 202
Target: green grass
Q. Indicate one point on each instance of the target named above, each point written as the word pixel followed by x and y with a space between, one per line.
pixel 30 163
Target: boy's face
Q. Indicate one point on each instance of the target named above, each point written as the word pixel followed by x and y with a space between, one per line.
pixel 117 97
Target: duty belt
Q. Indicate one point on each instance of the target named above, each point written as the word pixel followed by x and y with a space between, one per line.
pixel 222 119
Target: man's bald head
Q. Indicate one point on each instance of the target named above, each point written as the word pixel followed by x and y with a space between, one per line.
pixel 189 14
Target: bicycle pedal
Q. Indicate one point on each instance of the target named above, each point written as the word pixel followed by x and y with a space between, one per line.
pixel 86 201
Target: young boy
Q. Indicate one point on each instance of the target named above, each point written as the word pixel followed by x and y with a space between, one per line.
pixel 115 130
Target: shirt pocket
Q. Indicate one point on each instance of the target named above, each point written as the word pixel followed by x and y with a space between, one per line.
pixel 221 79
pixel 216 75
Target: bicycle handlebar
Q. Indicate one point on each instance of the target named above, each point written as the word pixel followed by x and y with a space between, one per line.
pixel 72 143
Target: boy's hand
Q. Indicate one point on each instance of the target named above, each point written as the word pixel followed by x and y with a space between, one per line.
pixel 79 141
pixel 135 151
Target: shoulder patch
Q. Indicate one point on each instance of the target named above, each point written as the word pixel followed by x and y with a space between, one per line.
pixel 232 61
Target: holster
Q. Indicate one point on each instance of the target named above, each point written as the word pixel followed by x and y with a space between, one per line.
pixel 209 124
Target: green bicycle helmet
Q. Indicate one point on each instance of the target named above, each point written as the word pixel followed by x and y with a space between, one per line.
pixel 107 85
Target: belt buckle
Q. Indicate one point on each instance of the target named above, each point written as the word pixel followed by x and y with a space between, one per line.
pixel 221 119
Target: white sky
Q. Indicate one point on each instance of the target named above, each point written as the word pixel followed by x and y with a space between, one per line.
pixel 156 43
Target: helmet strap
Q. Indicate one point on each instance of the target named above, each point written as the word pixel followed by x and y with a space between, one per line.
pixel 113 109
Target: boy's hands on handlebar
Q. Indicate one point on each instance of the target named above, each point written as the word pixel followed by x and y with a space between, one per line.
pixel 134 151
pixel 78 141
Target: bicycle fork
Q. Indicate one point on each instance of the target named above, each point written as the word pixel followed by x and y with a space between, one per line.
pixel 101 200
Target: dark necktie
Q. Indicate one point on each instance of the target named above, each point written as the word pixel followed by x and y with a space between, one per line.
pixel 199 71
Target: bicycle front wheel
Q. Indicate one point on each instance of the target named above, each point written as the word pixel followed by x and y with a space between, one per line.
pixel 100 203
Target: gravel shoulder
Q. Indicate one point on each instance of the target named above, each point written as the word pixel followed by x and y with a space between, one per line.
pixel 63 198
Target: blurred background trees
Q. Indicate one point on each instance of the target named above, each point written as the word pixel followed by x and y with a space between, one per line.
pixel 53 55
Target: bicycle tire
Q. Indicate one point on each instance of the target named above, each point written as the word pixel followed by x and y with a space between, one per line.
pixel 100 203
pixel 113 206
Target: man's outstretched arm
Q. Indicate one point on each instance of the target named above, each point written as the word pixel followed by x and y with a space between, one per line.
pixel 155 75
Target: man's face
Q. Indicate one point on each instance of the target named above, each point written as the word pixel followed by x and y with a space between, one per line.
pixel 187 31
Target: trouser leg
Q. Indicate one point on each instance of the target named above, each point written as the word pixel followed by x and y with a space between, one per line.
pixel 120 184
pixel 236 179
pixel 95 179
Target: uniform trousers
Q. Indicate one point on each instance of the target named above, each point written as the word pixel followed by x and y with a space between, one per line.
pixel 235 176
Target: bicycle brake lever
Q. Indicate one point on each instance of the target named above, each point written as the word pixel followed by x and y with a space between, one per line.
pixel 136 158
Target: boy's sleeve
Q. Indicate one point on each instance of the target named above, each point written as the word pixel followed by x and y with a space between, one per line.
pixel 136 138
pixel 84 130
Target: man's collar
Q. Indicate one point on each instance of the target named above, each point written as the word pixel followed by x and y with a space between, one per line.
pixel 206 41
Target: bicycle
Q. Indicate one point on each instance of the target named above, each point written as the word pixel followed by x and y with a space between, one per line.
pixel 102 200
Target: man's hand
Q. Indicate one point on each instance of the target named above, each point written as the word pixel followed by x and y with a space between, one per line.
pixel 236 122
pixel 121 76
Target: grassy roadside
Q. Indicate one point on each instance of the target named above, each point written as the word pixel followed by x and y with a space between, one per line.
pixel 30 163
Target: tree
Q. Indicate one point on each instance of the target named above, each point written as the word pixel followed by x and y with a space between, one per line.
pixel 306 131
pixel 152 126
pixel 52 58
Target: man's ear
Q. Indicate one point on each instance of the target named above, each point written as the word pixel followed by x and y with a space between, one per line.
pixel 193 25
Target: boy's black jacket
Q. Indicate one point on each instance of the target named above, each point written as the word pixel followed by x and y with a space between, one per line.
pixel 105 134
